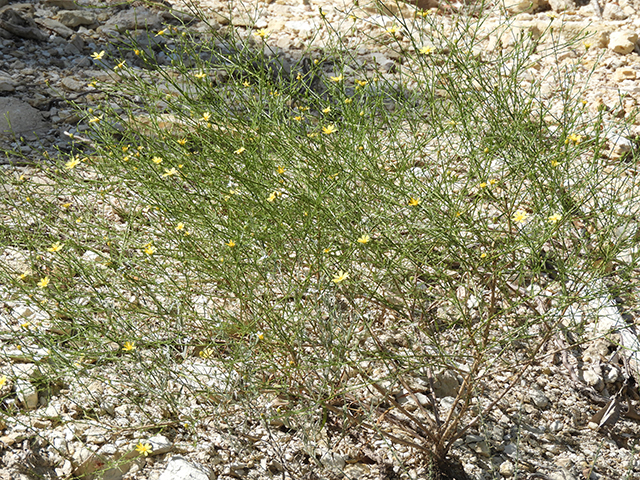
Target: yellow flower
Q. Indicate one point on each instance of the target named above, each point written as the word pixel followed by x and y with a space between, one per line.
pixel 520 216
pixel 239 151
pixel 555 218
pixel 128 346
pixel 161 32
pixel 297 118
pixel 348 100
pixel 340 276
pixel 207 353
pixel 260 335
pixel 98 56
pixel 72 163
pixel 483 255
pixel 200 75
pixel 206 116
pixel 587 44
pixel 55 247
pixel 179 227
pixel 492 181
pixel 326 250
pixel 361 83
pixel 3 380
pixel 156 160
pixel 329 129
pixel 337 79
pixel 144 448
pixel 168 172
pixel 136 52
pixel 120 65
pixel 66 205
pixel 326 110
pixel 483 185
pixel 555 163
pixel 392 29
pixel 263 32
pixel 230 244
pixel 43 282
pixel 182 141
pixel 364 239
pixel 414 202
pixel 149 249
pixel 573 138
pixel 246 84
pixel 426 50
pixel 273 196
pixel 280 170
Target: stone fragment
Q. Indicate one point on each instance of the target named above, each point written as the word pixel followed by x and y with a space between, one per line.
pixel 160 444
pixel 20 118
pixel 18 21
pixel 612 11
pixel 623 73
pixel 446 384
pixel 623 42
pixel 521 6
pixel 72 84
pixel 54 26
pixel 133 19
pixel 27 394
pixel 562 5
pixel 619 145
pixel 332 460
pixel 179 468
pixel 507 468
pixel 75 18
pixel 66 4
pixel 7 84
pixel 538 398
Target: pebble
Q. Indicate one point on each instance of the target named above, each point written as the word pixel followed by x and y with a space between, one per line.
pixel 623 42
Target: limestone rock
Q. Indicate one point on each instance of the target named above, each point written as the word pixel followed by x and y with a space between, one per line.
pixel 623 42
pixel 521 6
pixel 75 18
pixel 23 119
pixel 612 11
pixel 562 5
pixel 179 468
pixel 623 73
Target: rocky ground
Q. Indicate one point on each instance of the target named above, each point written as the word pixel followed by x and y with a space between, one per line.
pixel 540 430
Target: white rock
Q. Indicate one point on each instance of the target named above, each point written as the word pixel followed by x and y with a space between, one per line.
pixel 506 468
pixel 619 145
pixel 179 468
pixel 27 394
pixel 623 73
pixel 521 6
pixel 332 460
pixel 160 444
pixel 538 398
pixel 593 378
pixel 623 42
pixel 611 11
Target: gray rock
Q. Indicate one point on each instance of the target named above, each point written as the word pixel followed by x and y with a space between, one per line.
pixel 332 460
pixel 179 468
pixel 27 393
pixel 446 384
pixel 75 18
pixel 54 26
pixel 132 19
pixel 160 444
pixel 538 398
pixel 66 4
pixel 20 118
pixel 7 84
pixel 72 84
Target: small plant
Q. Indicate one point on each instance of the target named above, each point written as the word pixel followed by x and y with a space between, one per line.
pixel 354 244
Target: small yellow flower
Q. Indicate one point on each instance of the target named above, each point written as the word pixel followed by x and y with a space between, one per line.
pixel 520 216
pixel 555 163
pixel 55 247
pixel 348 100
pixel 200 75
pixel 72 163
pixel 326 110
pixel 340 276
pixel 392 29
pixel 483 185
pixel 329 129
pixel 66 205
pixel 555 218
pixel 179 227
pixel 206 116
pixel 156 160
pixel 326 250
pixel 128 346
pixel 161 32
pixel 587 44
pixel 280 170
pixel 149 249
pixel 260 335
pixel 492 181
pixel 426 50
pixel 120 65
pixel 364 239
pixel 43 282
pixel 573 138
pixel 246 84
pixel 182 141
pixel 339 78
pixel 3 380
pixel 144 448
pixel 25 325
pixel 414 202
pixel 95 119
pixel 230 244
pixel 361 83
pixel 169 172
pixel 207 353
pixel 483 255
pixel 137 52
pixel 239 151
pixel 263 32
pixel 98 56
pixel 273 196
